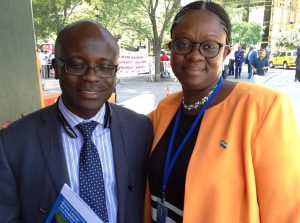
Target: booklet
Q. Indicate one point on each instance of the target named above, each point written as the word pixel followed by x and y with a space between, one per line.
pixel 70 208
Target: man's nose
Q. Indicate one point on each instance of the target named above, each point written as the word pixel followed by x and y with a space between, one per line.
pixel 90 75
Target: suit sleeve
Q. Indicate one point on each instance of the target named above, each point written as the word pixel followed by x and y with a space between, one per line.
pixel 276 157
pixel 147 204
pixel 9 203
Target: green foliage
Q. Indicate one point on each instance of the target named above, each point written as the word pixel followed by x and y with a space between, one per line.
pixel 130 21
pixel 288 41
pixel 243 32
pixel 50 16
pixel 235 14
pixel 246 34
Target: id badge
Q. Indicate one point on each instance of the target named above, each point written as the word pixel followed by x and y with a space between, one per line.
pixel 162 212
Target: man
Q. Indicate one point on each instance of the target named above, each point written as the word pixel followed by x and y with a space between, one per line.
pixel 251 57
pixel 231 63
pixel 42 151
pixel 164 57
pixel 163 71
pixel 260 66
pixel 225 70
pixel 267 54
pixel 239 60
pixel 297 74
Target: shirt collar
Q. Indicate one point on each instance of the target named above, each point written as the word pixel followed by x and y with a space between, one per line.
pixel 74 120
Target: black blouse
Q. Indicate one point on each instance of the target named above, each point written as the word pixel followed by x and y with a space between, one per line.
pixel 176 183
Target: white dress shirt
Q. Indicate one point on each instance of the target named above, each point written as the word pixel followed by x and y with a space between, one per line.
pixel 102 140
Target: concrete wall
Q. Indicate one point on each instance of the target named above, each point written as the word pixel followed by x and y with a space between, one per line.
pixel 19 83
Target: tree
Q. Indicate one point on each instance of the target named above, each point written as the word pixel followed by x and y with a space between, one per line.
pixel 50 16
pixel 136 19
pixel 143 19
pixel 289 41
pixel 246 34
pixel 243 32
pixel 159 22
pixel 124 26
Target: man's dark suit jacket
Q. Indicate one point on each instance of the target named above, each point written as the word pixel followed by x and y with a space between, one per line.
pixel 33 167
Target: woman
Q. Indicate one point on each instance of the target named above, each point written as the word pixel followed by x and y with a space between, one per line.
pixel 223 151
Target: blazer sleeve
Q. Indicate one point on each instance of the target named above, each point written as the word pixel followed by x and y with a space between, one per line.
pixel 9 202
pixel 276 157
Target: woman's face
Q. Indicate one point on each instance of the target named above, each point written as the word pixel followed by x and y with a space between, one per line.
pixel 194 71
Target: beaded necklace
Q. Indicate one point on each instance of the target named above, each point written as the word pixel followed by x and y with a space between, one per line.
pixel 200 102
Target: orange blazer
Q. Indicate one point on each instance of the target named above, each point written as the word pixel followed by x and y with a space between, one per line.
pixel 256 176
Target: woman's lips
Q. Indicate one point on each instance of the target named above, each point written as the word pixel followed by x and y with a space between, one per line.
pixel 194 70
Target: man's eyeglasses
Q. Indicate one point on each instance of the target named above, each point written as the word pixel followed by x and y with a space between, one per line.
pixel 79 69
pixel 208 49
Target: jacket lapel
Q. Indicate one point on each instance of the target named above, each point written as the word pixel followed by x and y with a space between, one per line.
pixel 164 114
pixel 120 162
pixel 52 150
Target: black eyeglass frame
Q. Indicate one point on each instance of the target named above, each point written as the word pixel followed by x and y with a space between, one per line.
pixel 87 67
pixel 172 43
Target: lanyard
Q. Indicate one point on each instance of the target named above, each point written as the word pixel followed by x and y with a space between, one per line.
pixel 169 164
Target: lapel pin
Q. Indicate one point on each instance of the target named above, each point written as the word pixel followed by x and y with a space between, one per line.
pixel 223 143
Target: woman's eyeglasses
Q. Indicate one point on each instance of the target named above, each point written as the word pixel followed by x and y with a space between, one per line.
pixel 208 49
pixel 79 69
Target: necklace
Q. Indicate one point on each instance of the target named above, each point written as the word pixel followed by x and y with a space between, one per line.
pixel 200 102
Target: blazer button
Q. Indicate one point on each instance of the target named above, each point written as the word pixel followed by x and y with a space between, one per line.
pixel 42 211
pixel 131 187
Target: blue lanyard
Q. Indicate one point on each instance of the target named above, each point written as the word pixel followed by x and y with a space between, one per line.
pixel 169 164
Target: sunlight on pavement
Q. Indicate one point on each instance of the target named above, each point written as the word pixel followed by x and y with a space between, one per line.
pixel 142 104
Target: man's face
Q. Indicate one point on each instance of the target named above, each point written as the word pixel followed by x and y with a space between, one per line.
pixel 261 55
pixel 84 95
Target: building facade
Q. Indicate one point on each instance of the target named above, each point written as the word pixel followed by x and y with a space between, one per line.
pixel 275 16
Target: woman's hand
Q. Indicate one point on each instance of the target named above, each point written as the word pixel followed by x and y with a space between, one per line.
pixel 8 123
pixel 5 125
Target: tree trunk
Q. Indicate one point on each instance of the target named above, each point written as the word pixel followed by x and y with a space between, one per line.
pixel 157 49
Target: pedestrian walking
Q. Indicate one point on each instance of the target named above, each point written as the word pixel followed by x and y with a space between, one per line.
pixel 251 57
pixel 239 60
pixel 231 63
pixel 267 54
pixel 297 75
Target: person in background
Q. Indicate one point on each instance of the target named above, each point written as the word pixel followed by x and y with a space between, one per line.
pixel 260 66
pixel 231 63
pixel 163 59
pixel 239 60
pixel 225 70
pixel 164 56
pixel 267 54
pixel 48 62
pixel 223 151
pixel 297 74
pixel 251 57
pixel 43 61
pixel 99 149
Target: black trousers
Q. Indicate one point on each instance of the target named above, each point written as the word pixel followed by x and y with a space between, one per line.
pixel 297 76
pixel 231 67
